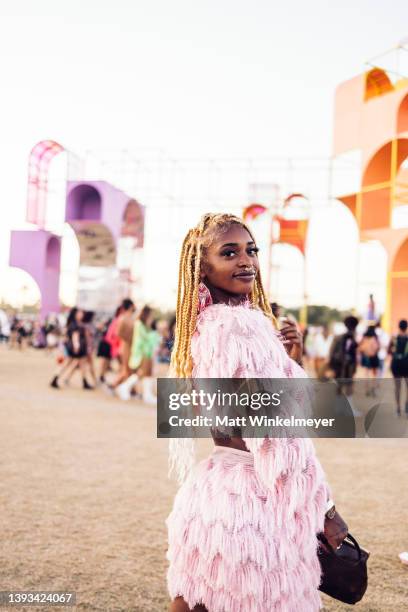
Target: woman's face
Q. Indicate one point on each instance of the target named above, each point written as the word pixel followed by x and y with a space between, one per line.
pixel 79 315
pixel 231 261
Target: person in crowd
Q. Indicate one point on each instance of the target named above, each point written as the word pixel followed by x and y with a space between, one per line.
pixel 4 327
pixel 144 342
pixel 90 334
pixel 399 363
pixel 384 342
pixel 309 344
pixel 113 340
pixel 89 328
pixel 51 331
pixel 24 333
pixel 235 542
pixel 14 335
pixel 162 355
pixel 124 331
pixel 104 351
pixel 305 335
pixel 76 349
pixel 322 344
pixel 171 336
pixel 369 348
pixel 145 338
pixel 167 342
pixel 371 310
pixel 39 340
pixel 343 359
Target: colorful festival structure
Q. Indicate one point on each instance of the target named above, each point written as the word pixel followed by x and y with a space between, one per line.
pixel 371 116
pixel 99 213
pixel 283 230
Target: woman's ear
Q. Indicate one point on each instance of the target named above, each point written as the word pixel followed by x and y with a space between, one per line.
pixel 203 271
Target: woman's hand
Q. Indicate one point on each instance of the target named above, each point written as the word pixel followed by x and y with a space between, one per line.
pixel 293 340
pixel 335 530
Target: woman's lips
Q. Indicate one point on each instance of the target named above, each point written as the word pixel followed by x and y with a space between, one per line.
pixel 245 276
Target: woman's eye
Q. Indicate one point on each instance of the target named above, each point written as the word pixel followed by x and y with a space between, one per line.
pixel 228 253
pixel 253 251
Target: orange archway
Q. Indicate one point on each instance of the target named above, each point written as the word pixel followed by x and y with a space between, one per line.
pixel 402 117
pixel 382 185
pixel 399 284
pixel 377 83
pixel 371 117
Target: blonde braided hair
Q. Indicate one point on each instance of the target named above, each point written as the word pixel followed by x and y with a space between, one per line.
pixel 192 256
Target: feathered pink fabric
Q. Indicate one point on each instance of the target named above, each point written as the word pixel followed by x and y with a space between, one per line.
pixel 242 532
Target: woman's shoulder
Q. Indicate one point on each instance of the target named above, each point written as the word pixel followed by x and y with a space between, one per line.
pixel 236 341
pixel 240 317
pixel 221 324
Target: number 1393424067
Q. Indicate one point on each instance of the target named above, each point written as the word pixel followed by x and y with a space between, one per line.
pixel 37 598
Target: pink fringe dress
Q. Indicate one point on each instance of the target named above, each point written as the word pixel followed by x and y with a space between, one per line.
pixel 242 532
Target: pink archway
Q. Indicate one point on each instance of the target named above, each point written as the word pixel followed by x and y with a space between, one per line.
pixel 40 157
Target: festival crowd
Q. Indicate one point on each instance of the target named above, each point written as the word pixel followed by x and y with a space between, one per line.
pixel 125 353
pixel 122 354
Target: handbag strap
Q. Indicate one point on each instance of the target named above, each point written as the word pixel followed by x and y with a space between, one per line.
pixel 354 541
pixel 325 541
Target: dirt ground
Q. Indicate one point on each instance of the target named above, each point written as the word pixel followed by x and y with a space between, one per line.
pixel 84 494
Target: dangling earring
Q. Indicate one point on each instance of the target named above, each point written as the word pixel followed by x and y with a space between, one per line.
pixel 204 297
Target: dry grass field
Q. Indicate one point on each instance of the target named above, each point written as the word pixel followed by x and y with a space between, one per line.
pixel 84 495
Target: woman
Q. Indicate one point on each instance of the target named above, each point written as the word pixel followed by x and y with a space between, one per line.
pixel 124 331
pixel 88 330
pixel 167 342
pixel 323 343
pixel 399 363
pixel 76 348
pixel 369 347
pixel 242 532
pixel 104 352
pixel 144 342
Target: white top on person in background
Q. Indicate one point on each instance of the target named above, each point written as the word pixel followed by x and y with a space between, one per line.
pixel 322 344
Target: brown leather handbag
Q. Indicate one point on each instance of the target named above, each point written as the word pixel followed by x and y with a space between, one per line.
pixel 344 571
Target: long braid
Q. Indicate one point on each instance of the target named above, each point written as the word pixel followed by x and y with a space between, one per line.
pixel 188 286
pixel 179 308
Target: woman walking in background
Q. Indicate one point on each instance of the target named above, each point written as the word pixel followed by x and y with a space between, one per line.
pixel 111 348
pixel 144 342
pixel 242 532
pixel 76 348
pixel 399 363
pixel 323 341
pixel 369 347
pixel 104 351
pixel 166 344
pixel 124 331
pixel 90 333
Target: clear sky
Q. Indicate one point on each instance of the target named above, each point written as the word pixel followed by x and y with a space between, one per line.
pixel 201 78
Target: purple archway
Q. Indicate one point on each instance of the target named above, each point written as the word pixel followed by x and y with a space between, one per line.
pixel 98 212
pixel 84 202
pixel 38 252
